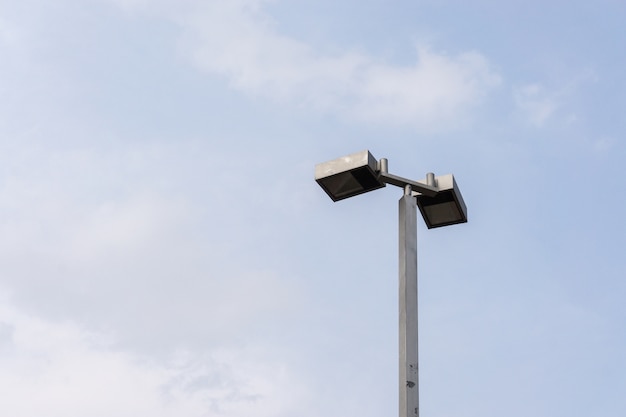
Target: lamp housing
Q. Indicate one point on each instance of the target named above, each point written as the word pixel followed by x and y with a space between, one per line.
pixel 349 175
pixel 445 208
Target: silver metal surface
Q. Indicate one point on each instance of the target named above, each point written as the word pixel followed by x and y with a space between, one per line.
pixel 430 179
pixel 349 175
pixel 408 377
pixel 440 203
pixel 383 165
pixel 420 187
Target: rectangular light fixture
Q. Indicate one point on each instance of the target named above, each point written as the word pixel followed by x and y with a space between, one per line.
pixel 446 208
pixel 348 176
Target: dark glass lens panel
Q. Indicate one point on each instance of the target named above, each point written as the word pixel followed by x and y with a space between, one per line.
pixel 441 210
pixel 342 185
pixel 350 183
pixel 366 178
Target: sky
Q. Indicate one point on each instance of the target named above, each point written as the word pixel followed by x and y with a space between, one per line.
pixel 165 250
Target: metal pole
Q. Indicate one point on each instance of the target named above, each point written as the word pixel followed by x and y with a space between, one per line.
pixel 409 384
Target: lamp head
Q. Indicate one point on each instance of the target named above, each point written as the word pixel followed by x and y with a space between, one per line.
pixel 348 176
pixel 446 208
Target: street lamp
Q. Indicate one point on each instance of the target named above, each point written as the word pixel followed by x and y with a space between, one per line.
pixel 441 204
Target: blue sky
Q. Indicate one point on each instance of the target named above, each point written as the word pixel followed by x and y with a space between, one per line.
pixel 166 252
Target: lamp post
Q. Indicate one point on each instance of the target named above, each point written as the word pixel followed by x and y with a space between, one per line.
pixel 440 203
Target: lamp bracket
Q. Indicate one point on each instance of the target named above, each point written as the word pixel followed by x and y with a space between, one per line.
pixel 419 187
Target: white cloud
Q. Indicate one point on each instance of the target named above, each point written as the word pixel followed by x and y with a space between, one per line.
pixel 539 103
pixel 59 369
pixel 122 226
pixel 110 238
pixel 438 89
pixel 8 33
pixel 603 144
pixel 237 40
pixel 535 103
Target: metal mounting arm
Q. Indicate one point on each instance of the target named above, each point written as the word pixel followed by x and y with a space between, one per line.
pixel 429 190
pixel 421 188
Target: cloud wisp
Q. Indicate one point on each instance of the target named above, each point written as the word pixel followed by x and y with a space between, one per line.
pixel 74 372
pixel 237 40
pixel 539 104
